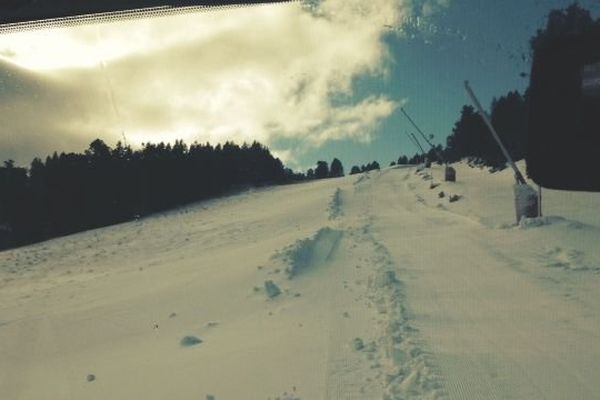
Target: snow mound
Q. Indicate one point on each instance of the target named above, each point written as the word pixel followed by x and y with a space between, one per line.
pixel 189 341
pixel 567 259
pixel 311 252
pixel 363 177
pixel 527 223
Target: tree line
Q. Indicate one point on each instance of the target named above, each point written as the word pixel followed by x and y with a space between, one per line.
pixel 72 192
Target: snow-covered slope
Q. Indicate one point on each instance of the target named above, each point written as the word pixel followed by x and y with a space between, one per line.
pixel 365 287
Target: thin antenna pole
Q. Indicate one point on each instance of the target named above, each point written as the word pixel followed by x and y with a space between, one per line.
pixel 422 134
pixel 486 119
pixel 411 139
pixel 417 142
pixel 415 125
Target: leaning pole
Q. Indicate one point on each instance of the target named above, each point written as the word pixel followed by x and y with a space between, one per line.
pixel 449 172
pixel 414 141
pixel 526 198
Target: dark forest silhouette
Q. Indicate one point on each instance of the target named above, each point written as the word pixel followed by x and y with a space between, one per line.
pixel 470 137
pixel 372 166
pixel 564 121
pixel 72 192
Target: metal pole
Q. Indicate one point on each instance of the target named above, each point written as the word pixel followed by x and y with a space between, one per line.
pixel 422 134
pixel 415 125
pixel 486 119
pixel 425 160
pixel 418 144
pixel 411 139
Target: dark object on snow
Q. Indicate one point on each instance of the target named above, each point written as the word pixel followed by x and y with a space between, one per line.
pixel 454 198
pixel 272 289
pixel 564 117
pixel 358 344
pixel 90 377
pixel 433 185
pixel 189 341
pixel 441 195
pixel 450 174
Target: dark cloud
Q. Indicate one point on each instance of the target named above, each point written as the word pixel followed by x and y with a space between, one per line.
pixel 40 114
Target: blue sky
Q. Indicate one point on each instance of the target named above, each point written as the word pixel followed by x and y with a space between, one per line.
pixel 311 82
pixel 479 41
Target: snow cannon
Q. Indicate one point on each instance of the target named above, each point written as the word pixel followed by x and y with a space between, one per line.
pixel 526 202
pixel 526 198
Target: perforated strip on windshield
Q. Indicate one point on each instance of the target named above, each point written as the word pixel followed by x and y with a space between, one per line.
pixel 139 13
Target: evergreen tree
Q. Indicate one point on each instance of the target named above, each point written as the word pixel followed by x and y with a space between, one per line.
pixel 572 20
pixel 322 170
pixel 337 169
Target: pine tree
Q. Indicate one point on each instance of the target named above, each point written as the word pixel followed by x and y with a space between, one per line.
pixel 322 170
pixel 337 169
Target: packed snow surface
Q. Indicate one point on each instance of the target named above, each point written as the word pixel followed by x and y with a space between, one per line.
pixel 386 285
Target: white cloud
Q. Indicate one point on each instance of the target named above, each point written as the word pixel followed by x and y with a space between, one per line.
pixel 264 73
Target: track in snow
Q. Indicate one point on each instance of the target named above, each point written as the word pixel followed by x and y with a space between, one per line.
pixel 496 333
